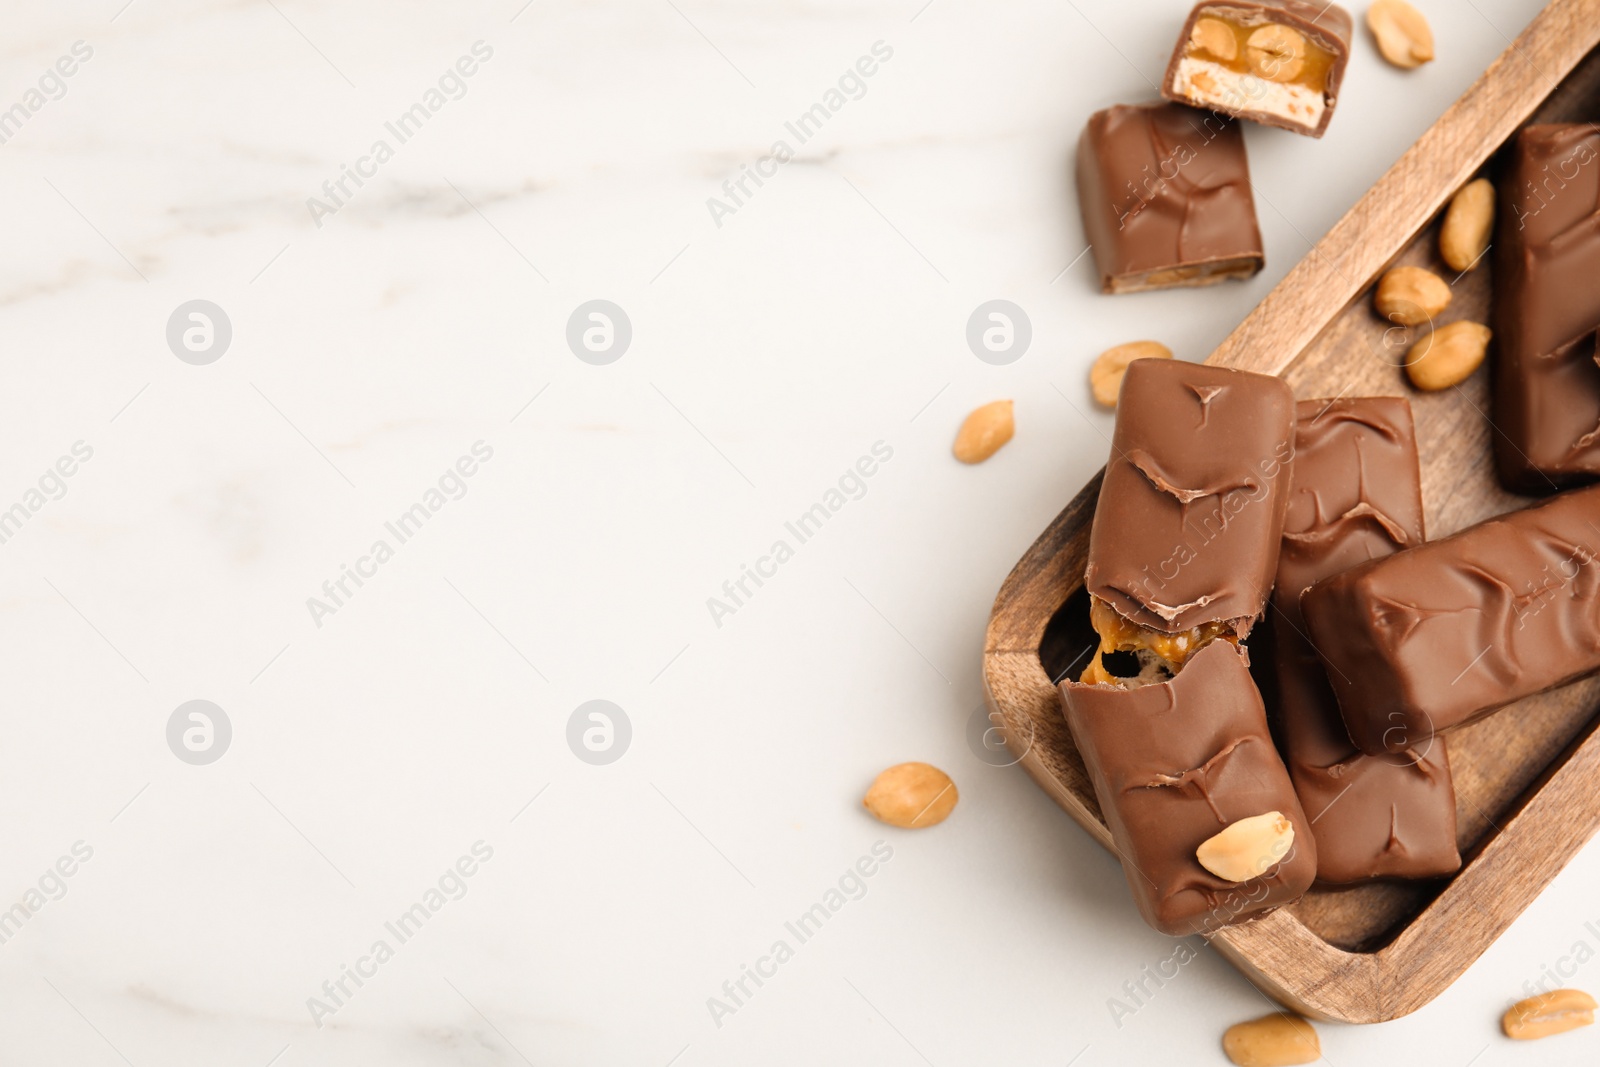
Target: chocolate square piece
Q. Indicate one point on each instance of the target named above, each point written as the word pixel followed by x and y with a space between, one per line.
pixel 1276 62
pixel 1175 764
pixel 1546 310
pixel 1355 495
pixel 1165 194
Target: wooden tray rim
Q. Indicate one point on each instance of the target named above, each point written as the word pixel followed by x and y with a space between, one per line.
pixel 1278 953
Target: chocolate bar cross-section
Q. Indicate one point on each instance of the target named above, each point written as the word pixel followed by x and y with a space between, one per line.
pixel 1276 62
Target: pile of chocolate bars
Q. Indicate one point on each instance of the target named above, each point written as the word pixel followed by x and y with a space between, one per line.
pixel 1222 494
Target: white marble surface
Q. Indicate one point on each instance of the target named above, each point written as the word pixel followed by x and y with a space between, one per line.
pixel 769 353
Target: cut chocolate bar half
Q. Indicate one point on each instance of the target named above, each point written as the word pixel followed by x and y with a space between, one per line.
pixel 1276 62
pixel 1174 766
pixel 1166 201
pixel 1186 532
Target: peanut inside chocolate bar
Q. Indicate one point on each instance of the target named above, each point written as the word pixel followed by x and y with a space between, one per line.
pixel 1142 656
pixel 1238 61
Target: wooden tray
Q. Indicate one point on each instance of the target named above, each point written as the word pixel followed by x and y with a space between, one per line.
pixel 1526 778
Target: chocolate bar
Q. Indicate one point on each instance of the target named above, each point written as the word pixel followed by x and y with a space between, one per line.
pixel 1355 495
pixel 1276 62
pixel 1166 201
pixel 1173 765
pixel 1440 634
pixel 1546 310
pixel 1185 537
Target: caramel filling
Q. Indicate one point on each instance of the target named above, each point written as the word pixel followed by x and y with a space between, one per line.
pixel 1240 66
pixel 1268 50
pixel 1159 656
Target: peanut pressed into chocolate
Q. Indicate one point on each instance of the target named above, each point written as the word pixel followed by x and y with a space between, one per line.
pixel 1175 765
pixel 1167 718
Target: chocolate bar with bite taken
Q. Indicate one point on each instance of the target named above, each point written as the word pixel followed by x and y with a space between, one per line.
pixel 1187 529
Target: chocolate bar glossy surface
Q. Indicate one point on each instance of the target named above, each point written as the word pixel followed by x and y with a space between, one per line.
pixel 1437 635
pixel 1276 62
pixel 1172 765
pixel 1546 310
pixel 1165 196
pixel 1187 528
pixel 1355 495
